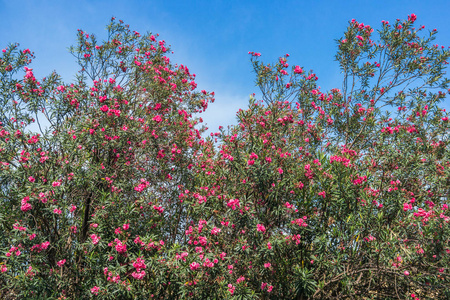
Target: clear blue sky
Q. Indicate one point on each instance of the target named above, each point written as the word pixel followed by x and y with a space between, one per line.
pixel 213 38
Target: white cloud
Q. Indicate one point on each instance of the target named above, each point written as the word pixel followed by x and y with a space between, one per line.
pixel 223 111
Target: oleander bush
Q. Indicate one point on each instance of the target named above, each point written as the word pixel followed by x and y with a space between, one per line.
pixel 312 195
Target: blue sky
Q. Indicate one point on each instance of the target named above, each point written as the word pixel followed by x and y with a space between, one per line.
pixel 213 38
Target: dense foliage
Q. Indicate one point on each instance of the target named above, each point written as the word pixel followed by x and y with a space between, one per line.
pixel 313 195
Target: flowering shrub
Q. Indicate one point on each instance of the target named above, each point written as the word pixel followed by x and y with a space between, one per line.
pixel 95 190
pixel 321 195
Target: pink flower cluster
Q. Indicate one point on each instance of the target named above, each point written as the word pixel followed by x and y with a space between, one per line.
pixel 194 266
pixel 18 227
pixel 264 285
pixel 120 247
pixel 233 203
pixel 14 250
pixel 231 288
pixel 139 264
pixel 215 231
pixel 95 290
pixel 95 239
pixel 61 262
pixel 260 227
pixel 181 256
pixel 39 247
pixel 25 206
pixel 300 222
pixel 142 186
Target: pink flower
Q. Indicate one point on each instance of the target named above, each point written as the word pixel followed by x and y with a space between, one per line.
pixel 31 179
pixel 267 265
pixel 371 238
pixel 104 108
pixel 94 290
pixel 157 118
pixel 139 275
pixel 215 231
pixel 139 264
pixel 95 239
pixel 240 279
pixel 254 53
pixel 26 207
pixel 253 155
pixel 3 269
pixel 269 245
pixel 183 256
pixel 61 262
pixel 406 273
pixel 280 170
pixel 231 288
pixel 260 227
pixel 45 245
pixel 269 289
pixel 121 248
pixel 56 183
pixel 194 266
pixel 233 203
pixel 298 70
pixel 126 226
pixel 57 211
pixel 300 222
pixel 407 206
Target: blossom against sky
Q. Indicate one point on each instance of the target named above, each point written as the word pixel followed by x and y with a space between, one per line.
pixel 213 38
